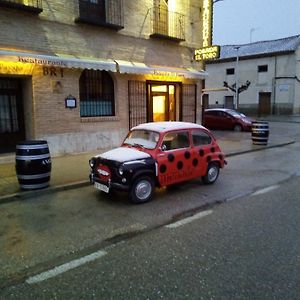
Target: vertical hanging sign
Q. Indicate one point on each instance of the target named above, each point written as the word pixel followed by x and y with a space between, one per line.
pixel 207 51
pixel 207 22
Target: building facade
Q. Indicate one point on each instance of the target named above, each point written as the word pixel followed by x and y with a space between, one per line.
pixel 80 73
pixel 267 73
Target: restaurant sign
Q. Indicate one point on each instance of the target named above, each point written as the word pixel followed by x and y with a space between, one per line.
pixel 207 53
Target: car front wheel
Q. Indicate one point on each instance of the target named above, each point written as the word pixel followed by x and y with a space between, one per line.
pixel 212 173
pixel 142 190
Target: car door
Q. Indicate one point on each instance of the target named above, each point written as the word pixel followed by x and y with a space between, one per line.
pixel 226 120
pixel 210 118
pixel 174 160
pixel 201 152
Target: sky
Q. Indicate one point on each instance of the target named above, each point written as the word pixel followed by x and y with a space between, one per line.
pixel 245 21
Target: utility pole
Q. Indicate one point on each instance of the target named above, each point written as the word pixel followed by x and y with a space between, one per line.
pixel 237 77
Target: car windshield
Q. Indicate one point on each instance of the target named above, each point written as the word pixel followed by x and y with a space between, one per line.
pixel 142 138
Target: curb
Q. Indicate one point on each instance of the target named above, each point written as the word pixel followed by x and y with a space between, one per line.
pixel 49 190
pixel 52 189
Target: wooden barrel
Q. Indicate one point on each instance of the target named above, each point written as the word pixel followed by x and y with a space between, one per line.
pixel 260 133
pixel 33 164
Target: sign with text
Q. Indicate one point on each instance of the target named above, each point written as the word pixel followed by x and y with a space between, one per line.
pixel 207 53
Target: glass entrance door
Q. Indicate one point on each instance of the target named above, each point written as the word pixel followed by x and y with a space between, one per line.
pixel 162 102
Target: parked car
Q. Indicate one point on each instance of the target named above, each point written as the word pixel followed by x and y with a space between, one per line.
pixel 224 118
pixel 155 155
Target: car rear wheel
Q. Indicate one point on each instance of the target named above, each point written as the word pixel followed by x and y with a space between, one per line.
pixel 212 173
pixel 237 128
pixel 142 190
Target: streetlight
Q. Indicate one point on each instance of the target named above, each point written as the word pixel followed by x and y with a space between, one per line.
pixel 237 77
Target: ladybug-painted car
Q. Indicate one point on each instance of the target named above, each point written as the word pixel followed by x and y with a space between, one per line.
pixel 157 154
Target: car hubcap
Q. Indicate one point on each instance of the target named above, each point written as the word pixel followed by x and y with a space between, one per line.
pixel 212 174
pixel 143 189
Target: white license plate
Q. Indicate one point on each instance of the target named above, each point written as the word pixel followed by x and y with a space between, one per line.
pixel 101 187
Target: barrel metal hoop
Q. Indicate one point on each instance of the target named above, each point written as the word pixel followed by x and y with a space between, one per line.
pixel 34 186
pixel 32 157
pixel 36 176
pixel 31 147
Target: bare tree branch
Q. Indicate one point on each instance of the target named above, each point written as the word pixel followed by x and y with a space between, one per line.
pixel 215 1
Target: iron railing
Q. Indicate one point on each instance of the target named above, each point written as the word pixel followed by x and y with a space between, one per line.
pixel 107 13
pixel 34 6
pixel 167 24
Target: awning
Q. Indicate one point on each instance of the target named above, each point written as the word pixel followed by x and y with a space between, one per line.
pixel 121 66
pixel 57 60
pixel 140 68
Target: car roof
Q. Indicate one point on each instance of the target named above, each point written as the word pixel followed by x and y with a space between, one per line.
pixel 167 126
pixel 219 109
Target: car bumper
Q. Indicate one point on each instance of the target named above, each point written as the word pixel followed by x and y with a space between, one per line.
pixel 111 185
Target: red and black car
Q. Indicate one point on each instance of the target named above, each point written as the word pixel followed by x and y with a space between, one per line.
pixel 155 155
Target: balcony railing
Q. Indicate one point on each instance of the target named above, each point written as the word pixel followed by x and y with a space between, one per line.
pixel 167 24
pixel 34 6
pixel 106 13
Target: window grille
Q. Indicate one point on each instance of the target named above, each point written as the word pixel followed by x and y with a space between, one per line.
pixel 96 94
pixel 34 6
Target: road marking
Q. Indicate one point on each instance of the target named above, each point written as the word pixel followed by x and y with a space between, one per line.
pixel 189 219
pixel 265 190
pixel 65 267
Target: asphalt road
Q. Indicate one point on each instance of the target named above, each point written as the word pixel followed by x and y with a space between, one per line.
pixel 42 233
pixel 248 248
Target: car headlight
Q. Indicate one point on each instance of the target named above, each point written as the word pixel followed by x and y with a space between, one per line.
pixel 92 162
pixel 121 170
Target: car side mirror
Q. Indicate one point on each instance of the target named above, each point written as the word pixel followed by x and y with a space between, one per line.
pixel 163 147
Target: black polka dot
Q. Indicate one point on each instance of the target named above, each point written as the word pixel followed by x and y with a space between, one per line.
pixel 187 154
pixel 171 157
pixel 213 150
pixel 179 165
pixel 208 158
pixel 163 169
pixel 195 162
pixel 220 157
pixel 201 152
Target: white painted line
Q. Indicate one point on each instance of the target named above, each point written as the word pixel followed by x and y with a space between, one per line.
pixel 265 190
pixel 189 219
pixel 65 267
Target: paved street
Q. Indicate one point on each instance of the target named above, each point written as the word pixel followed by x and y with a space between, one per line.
pixel 244 249
pixel 51 229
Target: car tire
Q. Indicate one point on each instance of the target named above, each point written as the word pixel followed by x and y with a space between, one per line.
pixel 238 128
pixel 212 173
pixel 142 190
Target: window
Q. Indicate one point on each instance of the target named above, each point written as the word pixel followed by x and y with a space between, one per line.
pixel 263 68
pixel 32 6
pixel 230 71
pixel 176 140
pixel 101 12
pixel 200 138
pixel 96 94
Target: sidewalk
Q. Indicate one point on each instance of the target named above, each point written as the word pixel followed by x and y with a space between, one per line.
pixel 72 170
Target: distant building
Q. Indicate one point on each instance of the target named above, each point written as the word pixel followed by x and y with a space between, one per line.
pixel 271 67
pixel 80 73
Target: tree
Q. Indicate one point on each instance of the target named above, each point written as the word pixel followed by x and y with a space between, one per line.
pixel 242 88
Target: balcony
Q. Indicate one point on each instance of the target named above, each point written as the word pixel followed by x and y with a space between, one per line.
pixel 33 6
pixel 166 24
pixel 105 13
